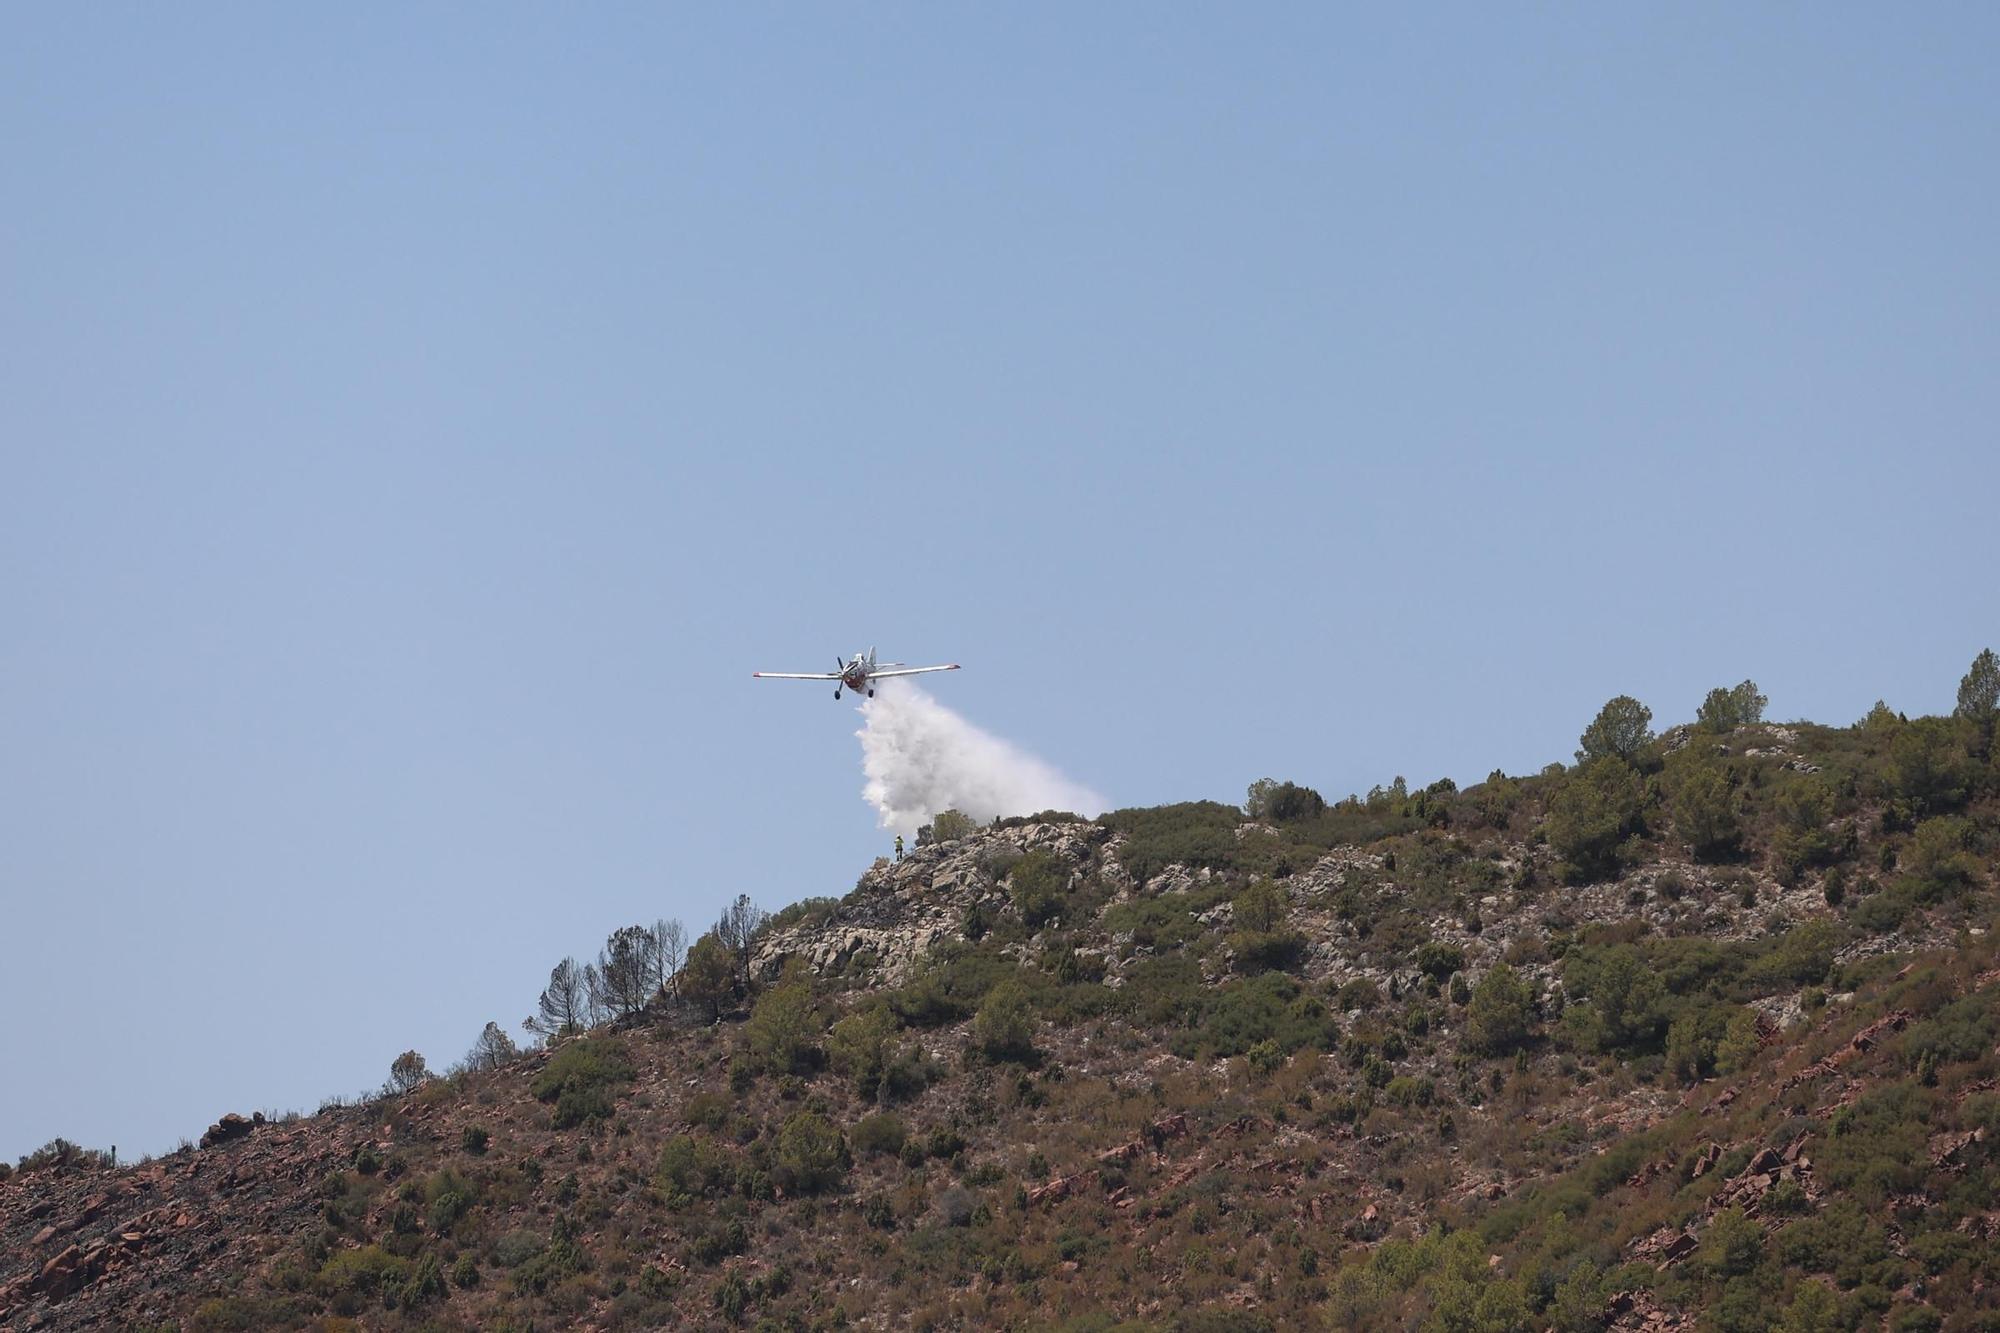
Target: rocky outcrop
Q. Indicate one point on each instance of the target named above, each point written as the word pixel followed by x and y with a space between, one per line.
pixel 230 1128
pixel 901 910
pixel 1862 1042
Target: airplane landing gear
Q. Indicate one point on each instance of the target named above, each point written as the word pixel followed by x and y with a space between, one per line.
pixel 871 692
pixel 836 691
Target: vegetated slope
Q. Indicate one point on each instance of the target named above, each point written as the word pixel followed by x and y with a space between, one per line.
pixel 1507 1058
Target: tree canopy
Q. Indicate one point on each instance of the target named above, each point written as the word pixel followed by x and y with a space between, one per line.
pixel 1619 730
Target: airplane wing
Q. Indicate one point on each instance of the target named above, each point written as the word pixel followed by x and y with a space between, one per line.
pixel 910 671
pixel 795 675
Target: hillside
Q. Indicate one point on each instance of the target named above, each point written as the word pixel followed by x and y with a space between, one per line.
pixel 1698 1032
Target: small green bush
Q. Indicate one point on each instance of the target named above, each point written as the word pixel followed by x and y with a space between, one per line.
pixel 578 1079
pixel 1498 1017
pixel 882 1133
pixel 1004 1027
pixel 1039 886
pixel 811 1154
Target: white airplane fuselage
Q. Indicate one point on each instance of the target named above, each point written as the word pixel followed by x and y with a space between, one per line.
pixel 858 673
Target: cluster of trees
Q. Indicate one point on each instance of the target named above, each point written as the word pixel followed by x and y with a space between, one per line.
pixel 1624 772
pixel 640 966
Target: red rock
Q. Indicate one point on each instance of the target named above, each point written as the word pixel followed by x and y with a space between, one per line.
pixel 67 1259
pixel 231 1126
pixel 1124 1152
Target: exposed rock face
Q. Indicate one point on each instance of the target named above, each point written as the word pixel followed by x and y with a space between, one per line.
pixel 231 1126
pixel 900 911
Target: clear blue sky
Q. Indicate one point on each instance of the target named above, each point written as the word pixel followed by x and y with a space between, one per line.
pixel 417 422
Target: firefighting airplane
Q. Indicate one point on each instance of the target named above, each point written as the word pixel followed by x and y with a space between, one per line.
pixel 859 672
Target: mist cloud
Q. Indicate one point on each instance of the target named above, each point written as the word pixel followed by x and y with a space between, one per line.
pixel 919 757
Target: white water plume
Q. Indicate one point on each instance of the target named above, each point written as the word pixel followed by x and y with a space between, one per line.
pixel 920 758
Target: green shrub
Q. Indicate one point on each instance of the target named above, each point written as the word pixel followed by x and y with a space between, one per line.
pixel 1590 815
pixel 1004 1027
pixel 1501 1009
pixel 1039 886
pixel 783 1027
pixel 561 1259
pixel 446 1210
pixel 861 1045
pixel 707 1110
pixel 811 1154
pixel 575 1106
pixel 578 1079
pixel 517 1247
pixel 1619 731
pixel 61 1155
pixel 951 825
pixel 882 1133
pixel 1265 1057
pixel 1938 865
pixel 1282 802
pixel 1195 833
pixel 1274 951
pixel 718 1242
pixel 1880 913
pixel 1801 956
pixel 953 986
pixel 1724 710
pixel 1438 959
pixel 689 1169
pixel 1962 1030
pixel 1236 1016
pixel 1731 1245
pixel 1358 993
pixel 474 1140
pixel 1928 769
pixel 1625 998
pixel 1706 810
pixel 350 1280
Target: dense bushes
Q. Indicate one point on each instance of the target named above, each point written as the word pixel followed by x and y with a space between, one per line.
pixel 1724 710
pixel 811 1155
pixel 1271 1007
pixel 1620 730
pixel 1262 942
pixel 1004 1027
pixel 1195 833
pixel 1590 816
pixel 1502 1007
pixel 1039 885
pixel 579 1079
pixel 1623 1002
pixel 1282 802
pixel 1706 810
pixel 783 1031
